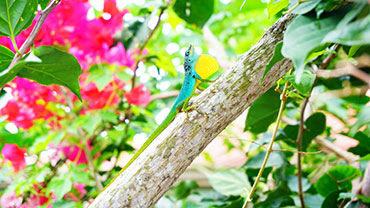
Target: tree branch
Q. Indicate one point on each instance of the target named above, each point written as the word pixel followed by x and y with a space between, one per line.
pixel 31 38
pixel 349 69
pixel 158 167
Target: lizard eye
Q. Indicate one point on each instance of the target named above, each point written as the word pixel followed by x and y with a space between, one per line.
pixel 189 60
pixel 187 53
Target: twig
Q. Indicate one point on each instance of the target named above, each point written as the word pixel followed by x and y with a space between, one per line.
pixel 324 65
pixel 269 149
pixel 91 165
pixel 128 113
pixel 81 134
pixel 344 92
pixel 347 156
pixel 31 38
pixel 349 69
pixel 299 147
pixel 164 95
pixel 280 150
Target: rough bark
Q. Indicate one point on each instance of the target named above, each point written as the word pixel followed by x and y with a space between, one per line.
pixel 158 167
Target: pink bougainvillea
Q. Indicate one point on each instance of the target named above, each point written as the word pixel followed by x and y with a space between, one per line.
pixel 15 155
pixel 10 200
pixel 139 95
pixel 76 154
pixel 29 102
pixel 91 41
pixel 38 198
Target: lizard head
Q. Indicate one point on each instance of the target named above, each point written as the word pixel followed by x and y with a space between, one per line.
pixel 190 57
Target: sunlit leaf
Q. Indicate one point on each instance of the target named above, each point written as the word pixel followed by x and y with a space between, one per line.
pixel 275 6
pixel 363 118
pixel 303 35
pixel 263 112
pixel 305 85
pixel 59 186
pixel 6 57
pixel 54 67
pixel 275 58
pixel 304 7
pixel 229 182
pixel 183 189
pixel 16 15
pixel 337 179
pixel 194 11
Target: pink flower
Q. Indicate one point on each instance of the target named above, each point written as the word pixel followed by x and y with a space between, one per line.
pixel 29 102
pixel 10 200
pixel 15 155
pixel 118 55
pixel 139 95
pixel 75 153
pixel 38 198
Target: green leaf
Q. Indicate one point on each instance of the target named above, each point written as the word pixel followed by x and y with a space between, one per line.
pixel 6 56
pixel 363 118
pixel 365 158
pixel 44 3
pixel 109 116
pixel 5 96
pixel 352 51
pixel 313 200
pixel 314 126
pixel 337 107
pixel 9 74
pixel 59 186
pixel 293 183
pixel 194 11
pixel 101 76
pixel 16 15
pixel 275 159
pixel 355 33
pixel 55 67
pixel 40 144
pixel 229 182
pixel 123 76
pixel 275 6
pixel 263 112
pixel 304 86
pixel 331 200
pixel 90 123
pixel 337 179
pixel 304 7
pixel 363 147
pixel 184 188
pixel 303 35
pixel 79 174
pixel 275 58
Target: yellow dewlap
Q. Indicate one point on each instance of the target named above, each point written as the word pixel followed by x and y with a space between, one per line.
pixel 206 66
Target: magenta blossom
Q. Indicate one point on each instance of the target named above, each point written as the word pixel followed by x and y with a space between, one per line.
pixel 139 95
pixel 15 155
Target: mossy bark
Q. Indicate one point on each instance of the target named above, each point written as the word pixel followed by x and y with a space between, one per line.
pixel 157 168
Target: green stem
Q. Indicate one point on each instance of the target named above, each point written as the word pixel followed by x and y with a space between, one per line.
pixel 14 43
pixel 12 38
pixel 295 6
pixel 269 149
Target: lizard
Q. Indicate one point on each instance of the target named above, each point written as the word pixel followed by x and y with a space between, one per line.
pixel 197 69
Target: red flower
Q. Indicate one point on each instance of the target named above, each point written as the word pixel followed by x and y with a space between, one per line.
pixel 139 95
pixel 15 155
pixel 75 153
